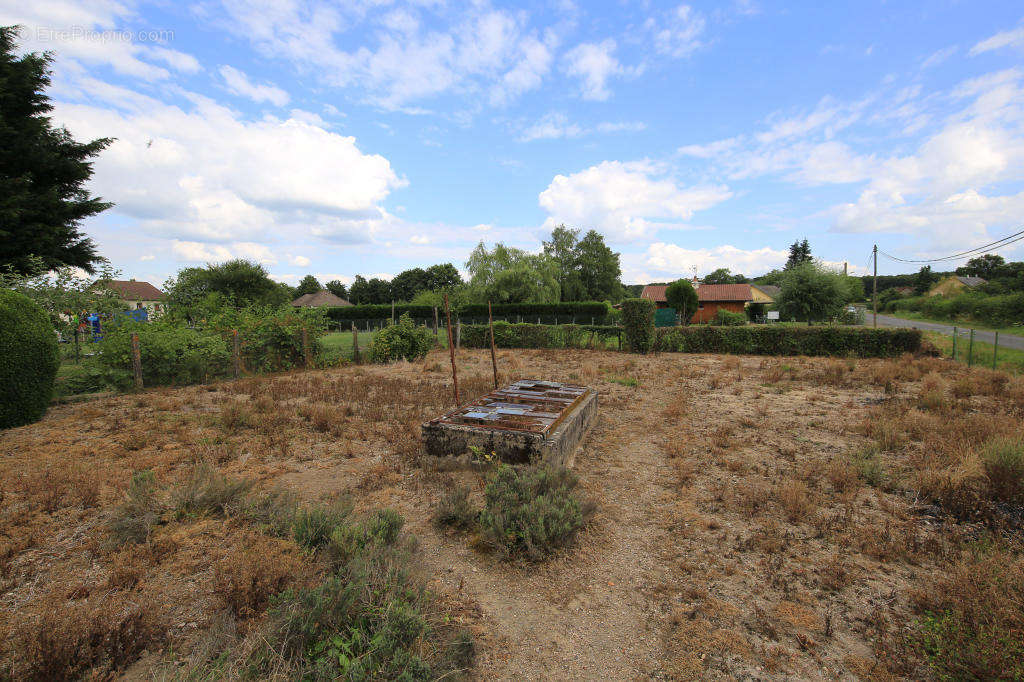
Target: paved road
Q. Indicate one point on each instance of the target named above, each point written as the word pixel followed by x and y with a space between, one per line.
pixel 1005 340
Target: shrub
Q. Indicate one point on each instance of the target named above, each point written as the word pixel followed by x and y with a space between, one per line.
pixel 271 340
pixel 87 377
pixel 134 519
pixel 400 341
pixel 532 512
pixel 582 311
pixel 312 526
pixel 251 573
pixel 28 360
pixel 681 296
pixel 784 340
pixel 170 354
pixel 207 492
pixel 727 318
pixel 638 324
pixel 455 510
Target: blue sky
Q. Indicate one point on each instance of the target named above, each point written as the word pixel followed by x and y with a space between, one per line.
pixel 367 137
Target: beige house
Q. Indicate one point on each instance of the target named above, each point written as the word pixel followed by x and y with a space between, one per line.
pixel 764 293
pixel 954 284
pixel 139 295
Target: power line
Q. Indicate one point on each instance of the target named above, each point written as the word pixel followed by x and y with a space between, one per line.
pixel 998 244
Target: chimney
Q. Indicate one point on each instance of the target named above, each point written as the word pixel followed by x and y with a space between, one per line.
pixel 845 264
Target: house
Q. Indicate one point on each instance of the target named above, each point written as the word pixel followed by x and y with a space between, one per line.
pixel 710 298
pixel 954 284
pixel 139 295
pixel 320 299
pixel 714 297
pixel 764 293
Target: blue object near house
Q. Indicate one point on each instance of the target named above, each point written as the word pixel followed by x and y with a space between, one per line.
pixel 139 314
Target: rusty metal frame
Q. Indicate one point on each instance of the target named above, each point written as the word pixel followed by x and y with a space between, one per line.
pixel 521 393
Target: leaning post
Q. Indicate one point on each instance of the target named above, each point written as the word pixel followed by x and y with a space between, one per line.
pixel 451 350
pixel 494 357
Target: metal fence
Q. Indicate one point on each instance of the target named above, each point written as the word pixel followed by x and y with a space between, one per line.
pixel 376 324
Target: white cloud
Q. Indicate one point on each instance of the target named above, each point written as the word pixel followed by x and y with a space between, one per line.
pixel 594 64
pixel 179 61
pixel 300 261
pixel 556 125
pixel 419 239
pixel 625 201
pixel 1012 38
pixel 198 252
pixel 662 261
pixel 239 84
pixel 147 256
pixel 206 174
pixel 677 33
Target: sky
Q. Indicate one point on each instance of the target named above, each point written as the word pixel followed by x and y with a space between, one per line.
pixel 371 136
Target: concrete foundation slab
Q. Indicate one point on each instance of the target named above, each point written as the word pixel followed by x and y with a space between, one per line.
pixel 528 421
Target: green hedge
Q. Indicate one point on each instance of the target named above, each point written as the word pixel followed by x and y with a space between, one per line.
pixel 402 340
pixel 586 309
pixel 509 335
pixel 998 311
pixel 638 324
pixel 784 340
pixel 170 354
pixel 28 360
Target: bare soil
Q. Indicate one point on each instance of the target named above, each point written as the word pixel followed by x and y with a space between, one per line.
pixel 731 539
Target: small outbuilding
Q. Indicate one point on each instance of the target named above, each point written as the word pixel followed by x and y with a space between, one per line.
pixel 320 299
pixel 710 299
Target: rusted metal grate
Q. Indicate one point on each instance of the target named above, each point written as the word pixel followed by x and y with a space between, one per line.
pixel 526 405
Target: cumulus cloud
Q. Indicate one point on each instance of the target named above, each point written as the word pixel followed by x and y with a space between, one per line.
pixel 662 261
pixel 239 84
pixel 677 32
pixel 204 173
pixel 625 200
pixel 300 261
pixel 198 252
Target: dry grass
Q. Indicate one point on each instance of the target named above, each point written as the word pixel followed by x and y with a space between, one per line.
pixel 768 518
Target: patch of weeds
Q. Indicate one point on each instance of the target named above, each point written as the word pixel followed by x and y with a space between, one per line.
pixel 1003 459
pixel 273 513
pixel 532 512
pixel 632 382
pixel 207 492
pixel 868 465
pixel 133 520
pixel 312 526
pixel 454 509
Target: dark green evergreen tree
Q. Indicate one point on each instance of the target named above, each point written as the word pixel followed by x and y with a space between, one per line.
pixel 43 171
pixel 799 253
pixel 308 285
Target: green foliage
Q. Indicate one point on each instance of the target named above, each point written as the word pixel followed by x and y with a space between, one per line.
pixel 683 298
pixel 958 649
pixel 87 377
pixel 998 311
pixel 868 465
pixel 133 520
pixel 403 340
pixel 171 354
pixel 509 335
pixel 272 338
pixel 338 288
pixel 313 526
pixel 756 311
pixel 510 275
pixel 799 254
pixel 43 171
pixel 531 512
pixel 638 324
pixel 454 509
pixel 28 360
pixel 783 340
pixel 197 293
pixel 727 318
pixel 207 492
pixel 809 292
pixel 469 309
pixel 307 285
pixel 724 276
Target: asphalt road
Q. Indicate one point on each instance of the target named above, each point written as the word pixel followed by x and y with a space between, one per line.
pixel 1005 340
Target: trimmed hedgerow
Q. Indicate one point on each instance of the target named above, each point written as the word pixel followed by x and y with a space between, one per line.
pixel 380 312
pixel 779 340
pixel 586 309
pixel 28 360
pixel 508 335
pixel 170 354
pixel 727 318
pixel 638 324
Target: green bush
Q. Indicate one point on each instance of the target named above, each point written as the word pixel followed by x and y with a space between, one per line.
pixel 582 311
pixel 999 310
pixel 509 335
pixel 455 510
pixel 638 324
pixel 88 377
pixel 727 318
pixel 271 340
pixel 28 360
pixel 403 340
pixel 170 354
pixel 530 512
pixel 207 492
pixel 786 340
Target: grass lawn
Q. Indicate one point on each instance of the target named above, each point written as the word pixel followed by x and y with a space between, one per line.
pixel 964 324
pixel 1007 359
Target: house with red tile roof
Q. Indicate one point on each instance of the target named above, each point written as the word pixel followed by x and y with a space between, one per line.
pixel 710 299
pixel 139 295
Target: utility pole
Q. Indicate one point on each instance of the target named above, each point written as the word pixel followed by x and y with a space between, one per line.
pixel 874 288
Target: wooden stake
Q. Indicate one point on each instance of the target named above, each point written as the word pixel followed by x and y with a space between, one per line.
pixel 355 344
pixel 494 357
pixel 136 362
pixel 237 351
pixel 435 321
pixel 451 350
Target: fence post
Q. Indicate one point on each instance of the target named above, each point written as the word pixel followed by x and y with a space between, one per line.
pixel 458 335
pixel 355 344
pixel 305 347
pixel 136 361
pixel 494 357
pixel 970 350
pixel 435 321
pixel 956 333
pixel 995 350
pixel 236 354
pixel 451 349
